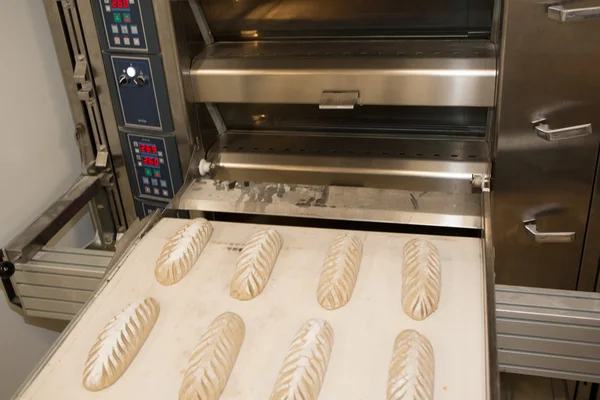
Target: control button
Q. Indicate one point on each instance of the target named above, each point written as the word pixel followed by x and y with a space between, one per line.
pixel 154 181
pixel 117 17
pixel 139 80
pixel 161 160
pixel 106 1
pixel 145 180
pixel 148 171
pixel 136 41
pixel 134 29
pixel 124 80
pixel 124 29
pixel 136 150
pixel 126 17
pixel 157 173
pixel 163 183
pixel 160 153
pixel 138 157
pixel 126 41
pixel 139 163
pixel 131 2
pixel 135 144
pixel 107 8
pixel 147 189
pixel 114 28
pixel 165 192
pixel 156 191
pixel 117 40
pixel 131 71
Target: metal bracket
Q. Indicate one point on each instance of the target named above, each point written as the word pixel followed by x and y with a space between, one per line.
pixel 7 269
pixel 80 72
pixel 482 182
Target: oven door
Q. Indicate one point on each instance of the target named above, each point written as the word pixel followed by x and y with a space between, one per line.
pixel 547 144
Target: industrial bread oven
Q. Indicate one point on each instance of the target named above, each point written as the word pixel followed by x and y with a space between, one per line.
pixel 459 119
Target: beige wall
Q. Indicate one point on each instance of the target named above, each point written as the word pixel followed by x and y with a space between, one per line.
pixel 38 161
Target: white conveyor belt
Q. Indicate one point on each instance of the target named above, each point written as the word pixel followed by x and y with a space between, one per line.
pixel 364 329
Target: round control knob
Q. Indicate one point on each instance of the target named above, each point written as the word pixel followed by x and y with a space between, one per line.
pixel 131 72
pixel 140 80
pixel 123 80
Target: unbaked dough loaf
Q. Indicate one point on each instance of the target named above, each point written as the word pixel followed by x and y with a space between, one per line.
pixel 303 370
pixel 254 265
pixel 213 359
pixel 182 250
pixel 411 374
pixel 421 279
pixel 118 344
pixel 340 271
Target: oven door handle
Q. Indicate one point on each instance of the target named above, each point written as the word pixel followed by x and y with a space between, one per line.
pixel 547 237
pixel 543 131
pixel 561 14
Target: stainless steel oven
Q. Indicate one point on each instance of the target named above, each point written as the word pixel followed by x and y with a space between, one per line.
pixel 467 118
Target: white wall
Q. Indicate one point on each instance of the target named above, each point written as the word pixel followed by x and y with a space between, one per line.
pixel 39 160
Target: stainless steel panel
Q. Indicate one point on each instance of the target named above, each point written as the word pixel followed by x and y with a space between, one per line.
pixel 176 62
pixel 548 70
pixel 431 73
pixel 45 292
pixel 63 307
pixel 335 203
pixel 63 281
pixel 87 257
pixel 51 315
pixel 443 166
pixel 585 369
pixel 549 346
pixel 547 332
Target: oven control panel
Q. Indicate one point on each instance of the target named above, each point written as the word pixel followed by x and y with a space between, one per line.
pixel 153 163
pixel 140 92
pixel 127 25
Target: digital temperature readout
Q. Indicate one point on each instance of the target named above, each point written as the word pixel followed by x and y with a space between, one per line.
pixel 120 4
pixel 150 161
pixel 147 148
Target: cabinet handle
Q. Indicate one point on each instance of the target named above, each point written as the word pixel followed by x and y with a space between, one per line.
pixel 547 237
pixel 560 14
pixel 571 132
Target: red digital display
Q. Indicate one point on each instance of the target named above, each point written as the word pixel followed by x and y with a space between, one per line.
pixel 147 148
pixel 151 161
pixel 120 4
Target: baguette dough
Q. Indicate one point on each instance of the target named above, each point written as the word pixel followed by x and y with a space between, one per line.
pixel 255 264
pixel 303 370
pixel 182 250
pixel 340 271
pixel 213 359
pixel 421 279
pixel 411 374
pixel 118 344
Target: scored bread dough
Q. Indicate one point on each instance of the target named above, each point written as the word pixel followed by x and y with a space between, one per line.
pixel 340 271
pixel 118 344
pixel 421 279
pixel 213 359
pixel 182 250
pixel 412 370
pixel 255 264
pixel 305 365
